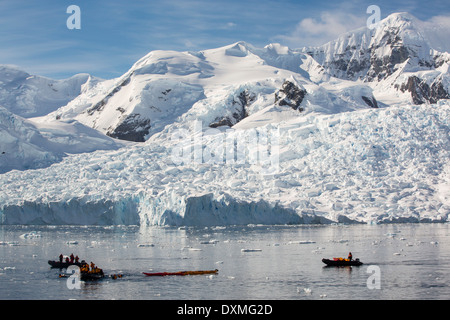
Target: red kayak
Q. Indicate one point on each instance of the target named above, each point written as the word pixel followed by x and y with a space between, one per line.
pixel 180 273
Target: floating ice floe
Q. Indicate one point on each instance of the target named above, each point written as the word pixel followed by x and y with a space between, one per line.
pixel 301 242
pixel 145 245
pixel 306 291
pixel 30 235
pixel 340 241
pixel 213 241
pixel 251 250
pixel 9 268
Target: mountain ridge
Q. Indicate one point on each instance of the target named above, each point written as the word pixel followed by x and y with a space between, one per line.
pixel 395 58
pixel 33 96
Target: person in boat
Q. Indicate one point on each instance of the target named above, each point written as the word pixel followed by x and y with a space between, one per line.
pixel 72 258
pixel 350 257
pixel 67 260
pixel 84 267
pixel 61 257
pixel 77 259
pixel 98 270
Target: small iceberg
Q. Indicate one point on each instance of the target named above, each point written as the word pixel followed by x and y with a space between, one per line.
pixel 251 250
pixel 30 235
pixel 302 242
pixel 209 242
pixel 145 245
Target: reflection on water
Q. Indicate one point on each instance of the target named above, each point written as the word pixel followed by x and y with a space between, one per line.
pixel 254 262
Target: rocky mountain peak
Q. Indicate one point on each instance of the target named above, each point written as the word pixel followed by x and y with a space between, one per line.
pixel 400 45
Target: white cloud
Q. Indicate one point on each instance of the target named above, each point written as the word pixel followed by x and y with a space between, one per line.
pixel 443 21
pixel 231 25
pixel 315 32
pixel 436 31
pixel 189 44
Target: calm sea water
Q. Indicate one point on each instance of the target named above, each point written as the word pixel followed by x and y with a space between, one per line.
pixel 404 261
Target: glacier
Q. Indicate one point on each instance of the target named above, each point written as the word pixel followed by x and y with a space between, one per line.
pixel 367 166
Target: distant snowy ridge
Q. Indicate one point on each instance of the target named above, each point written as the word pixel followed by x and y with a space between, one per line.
pixel 29 95
pixel 26 144
pixel 21 144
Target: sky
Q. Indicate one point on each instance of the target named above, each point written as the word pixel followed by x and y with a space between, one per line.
pixel 114 34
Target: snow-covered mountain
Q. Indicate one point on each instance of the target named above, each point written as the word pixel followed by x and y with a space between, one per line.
pixel 27 144
pixel 353 131
pixel 401 55
pixel 220 86
pixel 375 54
pixel 29 95
pixel 397 62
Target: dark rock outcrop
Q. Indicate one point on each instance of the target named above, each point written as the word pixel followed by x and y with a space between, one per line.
pixel 421 92
pixel 290 95
pixel 132 128
pixel 239 111
pixel 371 102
